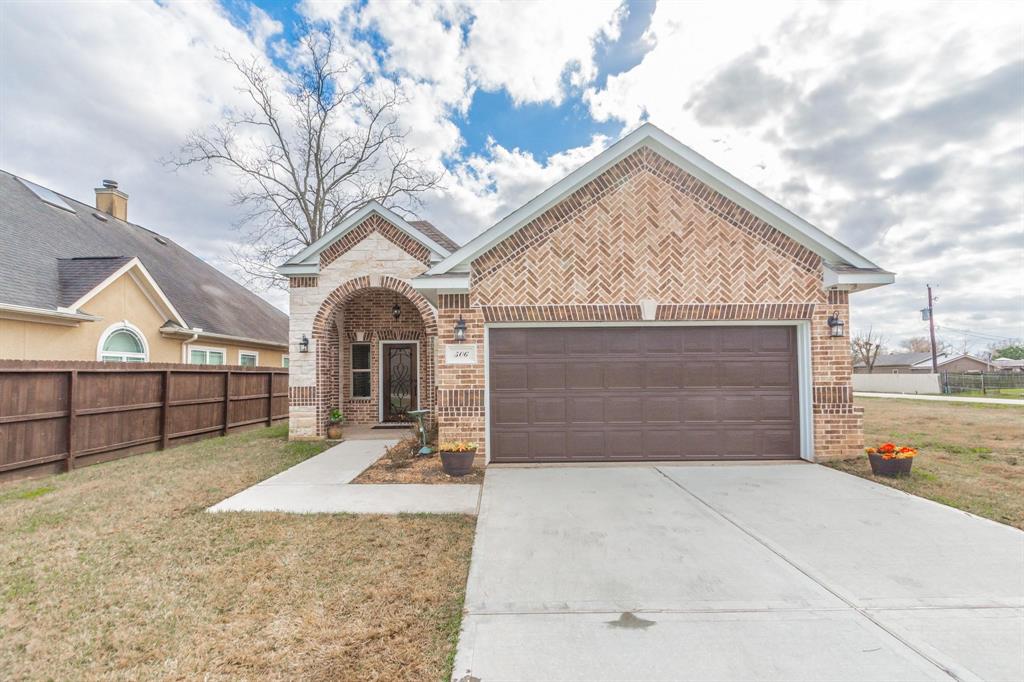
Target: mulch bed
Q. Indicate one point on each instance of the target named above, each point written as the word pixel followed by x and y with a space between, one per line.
pixel 397 466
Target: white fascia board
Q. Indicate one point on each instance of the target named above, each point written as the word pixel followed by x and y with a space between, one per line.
pixel 664 144
pixel 430 287
pixel 299 269
pixel 62 316
pixel 855 281
pixel 310 254
pixel 145 281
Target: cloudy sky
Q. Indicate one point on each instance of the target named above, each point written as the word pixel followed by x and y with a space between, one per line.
pixel 896 127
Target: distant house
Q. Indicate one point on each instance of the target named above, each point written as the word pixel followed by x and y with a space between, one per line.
pixel 1008 365
pixel 80 282
pixel 921 363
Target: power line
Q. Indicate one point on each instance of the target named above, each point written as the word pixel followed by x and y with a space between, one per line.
pixel 980 335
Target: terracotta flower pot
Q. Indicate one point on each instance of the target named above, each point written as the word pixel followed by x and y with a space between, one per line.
pixel 334 432
pixel 457 463
pixel 890 467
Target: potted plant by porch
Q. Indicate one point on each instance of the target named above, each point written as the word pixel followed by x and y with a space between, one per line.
pixel 457 457
pixel 334 421
pixel 891 460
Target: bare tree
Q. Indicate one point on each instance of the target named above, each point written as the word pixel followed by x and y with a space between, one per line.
pixel 921 344
pixel 866 347
pixel 313 147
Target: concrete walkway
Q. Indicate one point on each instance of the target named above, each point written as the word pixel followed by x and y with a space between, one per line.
pixel 321 484
pixel 734 572
pixel 940 398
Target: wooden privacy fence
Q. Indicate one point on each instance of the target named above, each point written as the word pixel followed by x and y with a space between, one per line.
pixel 56 416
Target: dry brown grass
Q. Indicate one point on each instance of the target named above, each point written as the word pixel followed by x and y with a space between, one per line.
pixel 970 456
pixel 115 571
pixel 397 465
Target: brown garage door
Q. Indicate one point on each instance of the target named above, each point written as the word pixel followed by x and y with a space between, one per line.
pixel 652 393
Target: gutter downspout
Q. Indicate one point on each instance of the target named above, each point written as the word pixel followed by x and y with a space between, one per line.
pixel 184 345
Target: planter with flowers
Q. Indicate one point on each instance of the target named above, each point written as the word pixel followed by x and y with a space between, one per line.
pixel 334 421
pixel 891 460
pixel 457 457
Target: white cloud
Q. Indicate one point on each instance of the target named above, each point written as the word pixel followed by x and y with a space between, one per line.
pixel 879 123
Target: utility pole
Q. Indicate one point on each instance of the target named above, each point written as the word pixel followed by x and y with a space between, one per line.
pixel 931 331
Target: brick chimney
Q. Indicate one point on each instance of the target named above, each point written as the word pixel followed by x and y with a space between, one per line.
pixel 110 199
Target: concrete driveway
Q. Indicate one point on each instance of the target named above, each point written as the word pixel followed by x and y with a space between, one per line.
pixel 743 572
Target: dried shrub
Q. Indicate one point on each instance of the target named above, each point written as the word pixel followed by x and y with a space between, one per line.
pixel 401 454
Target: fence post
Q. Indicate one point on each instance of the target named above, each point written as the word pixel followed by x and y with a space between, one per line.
pixel 227 402
pixel 165 411
pixel 270 398
pixel 983 383
pixel 72 382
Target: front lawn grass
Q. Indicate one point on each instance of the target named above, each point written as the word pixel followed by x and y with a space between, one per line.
pixel 116 571
pixel 971 456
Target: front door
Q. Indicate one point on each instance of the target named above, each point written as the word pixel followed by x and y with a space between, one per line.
pixel 399 381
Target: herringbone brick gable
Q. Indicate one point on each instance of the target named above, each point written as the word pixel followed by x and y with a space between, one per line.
pixel 374 223
pixel 646 229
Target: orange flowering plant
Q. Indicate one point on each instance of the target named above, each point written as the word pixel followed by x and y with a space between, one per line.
pixel 457 446
pixel 890 451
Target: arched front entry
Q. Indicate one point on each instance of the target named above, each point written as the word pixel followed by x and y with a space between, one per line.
pixel 375 341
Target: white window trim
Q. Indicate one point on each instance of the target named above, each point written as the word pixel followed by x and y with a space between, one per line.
pixel 352 371
pixel 254 353
pixel 380 373
pixel 215 349
pixel 803 361
pixel 119 326
pixel 285 360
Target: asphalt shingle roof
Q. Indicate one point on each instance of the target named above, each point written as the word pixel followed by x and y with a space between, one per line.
pixel 36 238
pixel 78 276
pixel 437 235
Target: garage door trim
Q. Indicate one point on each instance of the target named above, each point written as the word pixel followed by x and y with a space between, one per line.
pixel 803 359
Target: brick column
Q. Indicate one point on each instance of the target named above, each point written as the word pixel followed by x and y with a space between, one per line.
pixel 838 423
pixel 460 388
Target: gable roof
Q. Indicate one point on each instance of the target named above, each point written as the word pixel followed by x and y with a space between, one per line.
pixel 76 277
pixel 307 261
pixel 427 228
pixel 833 252
pixel 945 359
pixel 897 360
pixel 37 237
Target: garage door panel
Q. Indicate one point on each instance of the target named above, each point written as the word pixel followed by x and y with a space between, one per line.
pixel 621 410
pixel 662 375
pixel 586 445
pixel 661 409
pixel 507 377
pixel 514 446
pixel 548 444
pixel 624 445
pixel 696 373
pixel 584 375
pixel 701 339
pixel 545 375
pixel 776 373
pixel 510 342
pixel 548 410
pixel 510 411
pixel 699 408
pixel 583 410
pixel 776 339
pixel 623 375
pixel 643 393
pixel 546 342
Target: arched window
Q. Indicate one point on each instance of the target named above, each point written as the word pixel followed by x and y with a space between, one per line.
pixel 123 343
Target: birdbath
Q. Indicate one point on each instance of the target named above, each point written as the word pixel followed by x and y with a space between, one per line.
pixel 419 415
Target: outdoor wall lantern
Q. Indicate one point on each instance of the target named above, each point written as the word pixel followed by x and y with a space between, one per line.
pixel 396 311
pixel 304 344
pixel 835 324
pixel 460 329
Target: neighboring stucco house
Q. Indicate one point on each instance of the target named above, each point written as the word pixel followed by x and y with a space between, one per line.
pixel 649 306
pixel 921 363
pixel 80 282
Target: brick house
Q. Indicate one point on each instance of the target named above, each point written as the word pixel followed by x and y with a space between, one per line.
pixel 649 306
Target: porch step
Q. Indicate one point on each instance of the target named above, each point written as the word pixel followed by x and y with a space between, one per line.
pixel 394 425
